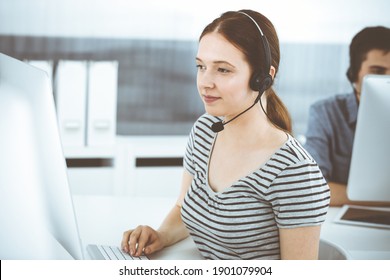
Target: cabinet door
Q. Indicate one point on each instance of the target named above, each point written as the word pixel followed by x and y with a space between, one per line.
pixel 71 98
pixel 102 97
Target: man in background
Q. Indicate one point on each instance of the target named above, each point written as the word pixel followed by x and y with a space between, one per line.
pixel 332 121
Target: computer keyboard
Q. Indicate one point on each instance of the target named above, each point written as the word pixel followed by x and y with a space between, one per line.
pixel 105 252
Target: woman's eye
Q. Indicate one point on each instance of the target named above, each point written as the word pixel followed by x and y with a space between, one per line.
pixel 223 70
pixel 200 67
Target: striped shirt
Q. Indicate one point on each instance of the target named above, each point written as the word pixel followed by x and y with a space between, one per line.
pixel 242 221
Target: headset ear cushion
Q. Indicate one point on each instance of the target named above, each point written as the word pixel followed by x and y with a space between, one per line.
pixel 259 83
pixel 266 83
pixel 350 75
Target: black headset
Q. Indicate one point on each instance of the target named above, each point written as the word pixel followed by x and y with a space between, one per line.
pixel 261 80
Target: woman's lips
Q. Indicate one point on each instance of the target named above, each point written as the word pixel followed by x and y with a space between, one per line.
pixel 210 99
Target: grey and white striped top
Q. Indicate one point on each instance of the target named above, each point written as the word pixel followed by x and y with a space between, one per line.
pixel 242 221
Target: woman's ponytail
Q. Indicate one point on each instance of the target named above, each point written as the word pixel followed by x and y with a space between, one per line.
pixel 277 111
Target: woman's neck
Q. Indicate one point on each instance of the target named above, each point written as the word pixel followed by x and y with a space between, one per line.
pixel 253 125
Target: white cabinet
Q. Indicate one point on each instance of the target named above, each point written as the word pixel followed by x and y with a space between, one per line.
pixel 86 101
pixel 91 180
pixel 102 99
pixel 71 101
pixel 149 165
pixel 86 97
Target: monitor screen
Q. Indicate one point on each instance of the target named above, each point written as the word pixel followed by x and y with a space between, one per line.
pixel 369 177
pixel 36 209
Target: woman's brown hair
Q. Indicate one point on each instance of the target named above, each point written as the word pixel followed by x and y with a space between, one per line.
pixel 239 30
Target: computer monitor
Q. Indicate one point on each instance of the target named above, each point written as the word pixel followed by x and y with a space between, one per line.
pixel 37 219
pixel 369 177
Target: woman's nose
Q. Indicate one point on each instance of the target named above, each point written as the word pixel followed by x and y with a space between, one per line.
pixel 205 79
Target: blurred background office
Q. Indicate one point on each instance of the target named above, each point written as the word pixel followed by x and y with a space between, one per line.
pixel 142 54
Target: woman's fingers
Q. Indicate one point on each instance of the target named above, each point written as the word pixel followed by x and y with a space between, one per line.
pixel 125 241
pixel 139 240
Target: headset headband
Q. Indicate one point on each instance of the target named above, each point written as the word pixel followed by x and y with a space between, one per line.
pixel 267 52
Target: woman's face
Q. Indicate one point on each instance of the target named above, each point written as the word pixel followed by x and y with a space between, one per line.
pixel 223 77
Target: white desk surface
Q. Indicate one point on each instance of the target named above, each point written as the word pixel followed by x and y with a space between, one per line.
pixel 103 219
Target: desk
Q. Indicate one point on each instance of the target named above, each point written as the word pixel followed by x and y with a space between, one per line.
pixel 103 219
pixel 361 243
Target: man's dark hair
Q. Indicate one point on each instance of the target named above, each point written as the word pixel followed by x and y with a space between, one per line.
pixel 370 38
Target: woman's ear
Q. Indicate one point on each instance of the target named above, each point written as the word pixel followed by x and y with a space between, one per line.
pixel 272 72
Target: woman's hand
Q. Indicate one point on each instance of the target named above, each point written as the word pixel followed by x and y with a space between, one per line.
pixel 142 239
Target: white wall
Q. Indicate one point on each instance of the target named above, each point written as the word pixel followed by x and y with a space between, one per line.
pixel 299 20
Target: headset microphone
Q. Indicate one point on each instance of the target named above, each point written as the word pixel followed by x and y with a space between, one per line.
pixel 259 81
pixel 219 126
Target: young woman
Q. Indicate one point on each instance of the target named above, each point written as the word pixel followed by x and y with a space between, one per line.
pixel 249 190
